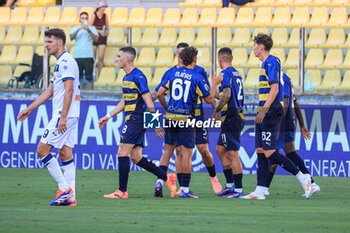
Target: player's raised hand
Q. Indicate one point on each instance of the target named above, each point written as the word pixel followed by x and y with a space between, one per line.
pixel 62 125
pixel 306 134
pixel 160 132
pixel 102 122
pixel 23 114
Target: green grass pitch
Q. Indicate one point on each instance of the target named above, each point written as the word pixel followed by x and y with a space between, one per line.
pixel 25 195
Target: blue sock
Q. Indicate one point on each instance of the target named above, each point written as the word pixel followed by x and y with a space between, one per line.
pixel 269 176
pixel 284 162
pixel 185 179
pixel 299 162
pixel 179 178
pixel 238 180
pixel 211 171
pixel 148 165
pixel 164 168
pixel 124 168
pixel 262 169
pixel 228 176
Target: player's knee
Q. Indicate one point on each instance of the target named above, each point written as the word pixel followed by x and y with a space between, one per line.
pixel 204 151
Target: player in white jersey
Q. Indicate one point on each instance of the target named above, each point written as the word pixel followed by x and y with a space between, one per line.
pixel 65 92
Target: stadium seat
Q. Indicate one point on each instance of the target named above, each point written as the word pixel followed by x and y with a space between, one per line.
pixel 119 17
pixel 116 36
pixel 106 78
pixel 282 17
pixel 301 17
pixel 293 41
pixel 252 80
pixel 346 44
pixel 203 57
pixel 52 16
pixel 43 3
pixel 314 58
pixel 171 18
pixel 157 77
pixel 40 40
pixel 18 16
pixel 147 72
pixel 330 80
pixel 136 35
pixel 40 51
pixel 279 52
pixel 253 62
pixel 336 38
pixel 168 37
pixel 319 17
pixel 88 9
pixel 292 60
pixel 189 17
pixel 346 63
pixel 256 32
pixel 35 16
pixel 186 35
pixel 71 51
pixel 30 36
pixel 164 58
pixel 316 38
pixel 316 77
pixel 338 3
pixel 261 3
pixel 13 36
pixel 240 37
pixel 224 36
pixel 263 17
pixel 240 57
pixel 109 57
pixel 338 17
pixel 293 74
pixel 208 17
pixel 280 37
pixel 120 76
pixel 299 3
pixel 282 3
pixel 211 3
pixel 5 75
pixel 345 84
pixel 5 15
pixel 25 55
pixel 203 38
pixel 24 3
pixel 137 17
pixel 2 33
pixel 146 58
pixel 69 16
pixel 69 42
pixel 20 69
pixel 149 38
pixel 245 16
pixel 191 3
pixel 333 59
pixel 226 17
pixel 318 3
pixel 241 72
pixel 154 17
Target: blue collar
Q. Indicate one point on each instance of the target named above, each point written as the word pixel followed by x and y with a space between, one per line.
pixel 61 55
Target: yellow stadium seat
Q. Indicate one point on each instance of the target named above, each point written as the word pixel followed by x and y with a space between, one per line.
pixel 18 16
pixel 208 17
pixel 319 17
pixel 157 77
pixel 165 57
pixel 40 51
pixel 24 3
pixel 109 57
pixel 120 76
pixel 69 42
pixel 298 3
pixel 147 72
pixel 106 78
pixel 331 79
pixel 338 3
pixel 211 3
pixel 108 12
pixel 224 36
pixel 346 63
pixel 301 17
pixel 240 57
pixel 69 16
pixel 256 32
pixel 293 41
pixel 5 14
pixel 346 44
pixel 203 57
pixel 317 37
pixel 30 35
pixel 35 16
pixel 336 38
pixel 186 35
pixel 318 3
pixel 240 37
pixel 168 37
pixel 316 77
pixel 5 75
pixel 282 17
pixel 71 51
pixel 149 38
pixel 252 80
pixel 146 58
pixel 52 16
pixel 2 33
pixel 136 35
pixel 154 17
pixel 263 17
pixel 40 40
pixel 262 3
pixel 314 58
pixel 119 17
pixel 293 74
pixel 171 18
pixel 292 59
pixel 25 55
pixel 137 17
pixel 203 38
pixel 338 17
pixel 241 72
pixel 282 3
pixel 189 17
pixel 88 9
pixel 333 59
pixel 279 52
pixel 280 37
pixel 191 3
pixel 345 85
pixel 13 36
pixel 116 36
pixel 226 17
pixel 43 3
pixel 253 62
pixel 245 16
pixel 20 70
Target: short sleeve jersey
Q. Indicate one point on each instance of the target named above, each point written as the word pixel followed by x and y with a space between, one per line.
pixel 66 68
pixel 134 86
pixel 233 109
pixel 271 72
pixel 83 42
pixel 289 93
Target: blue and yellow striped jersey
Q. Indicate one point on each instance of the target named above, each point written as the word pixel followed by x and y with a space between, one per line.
pixel 271 72
pixel 233 109
pixel 134 86
pixel 289 93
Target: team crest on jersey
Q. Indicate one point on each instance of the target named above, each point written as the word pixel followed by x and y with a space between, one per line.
pixel 56 68
pixel 65 67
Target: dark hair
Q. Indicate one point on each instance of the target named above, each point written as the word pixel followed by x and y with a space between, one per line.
pixel 265 40
pixel 187 55
pixel 84 13
pixel 182 45
pixel 130 50
pixel 226 54
pixel 56 32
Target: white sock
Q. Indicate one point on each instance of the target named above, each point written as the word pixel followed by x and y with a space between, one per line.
pixel 229 185
pixel 69 175
pixel 185 189
pixel 259 189
pixel 54 168
pixel 300 176
pixel 160 181
pixel 239 190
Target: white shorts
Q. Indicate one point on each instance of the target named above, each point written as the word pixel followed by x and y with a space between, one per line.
pixel 53 138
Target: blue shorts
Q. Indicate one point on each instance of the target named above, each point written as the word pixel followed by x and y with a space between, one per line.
pixel 289 135
pixel 230 135
pixel 202 136
pixel 180 136
pixel 133 133
pixel 269 135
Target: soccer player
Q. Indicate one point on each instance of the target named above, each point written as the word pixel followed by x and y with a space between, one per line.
pixel 202 136
pixel 269 123
pixel 230 108
pixel 136 98
pixel 184 85
pixel 65 93
pixel 291 106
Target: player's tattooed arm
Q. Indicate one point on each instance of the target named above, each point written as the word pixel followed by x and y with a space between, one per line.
pixel 226 94
pixel 304 131
pixel 213 104
pixel 154 96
